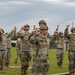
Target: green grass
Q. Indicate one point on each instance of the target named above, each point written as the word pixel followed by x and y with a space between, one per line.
pixel 52 59
pixel 53 63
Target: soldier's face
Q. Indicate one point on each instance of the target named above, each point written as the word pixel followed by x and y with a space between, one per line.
pixel 41 24
pixel 61 35
pixel 45 32
pixel 27 28
pixel 73 31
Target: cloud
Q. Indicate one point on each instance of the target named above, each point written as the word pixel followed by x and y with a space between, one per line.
pixel 20 12
pixel 70 3
pixel 69 0
pixel 14 3
pixel 52 0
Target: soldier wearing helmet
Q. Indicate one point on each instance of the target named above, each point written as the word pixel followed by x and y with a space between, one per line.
pixel 71 52
pixel 42 22
pixel 73 30
pixel 1 31
pixel 60 47
pixel 41 51
pixel 61 34
pixel 25 48
pixel 3 47
pixel 26 27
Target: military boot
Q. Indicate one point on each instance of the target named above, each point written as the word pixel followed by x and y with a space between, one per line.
pixel 60 66
pixel 15 62
pixel 7 64
pixel 71 73
pixel 74 73
pixel 1 70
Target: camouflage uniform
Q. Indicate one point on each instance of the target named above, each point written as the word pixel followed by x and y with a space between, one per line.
pixel 42 64
pixel 2 52
pixel 25 51
pixel 18 49
pixel 8 52
pixel 60 49
pixel 33 68
pixel 71 51
pixel 3 49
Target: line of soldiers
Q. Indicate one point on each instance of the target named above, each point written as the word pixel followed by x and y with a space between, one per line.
pixel 39 39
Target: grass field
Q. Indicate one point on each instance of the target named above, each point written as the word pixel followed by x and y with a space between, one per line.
pixel 52 59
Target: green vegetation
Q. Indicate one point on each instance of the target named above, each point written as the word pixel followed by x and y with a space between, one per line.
pixel 52 59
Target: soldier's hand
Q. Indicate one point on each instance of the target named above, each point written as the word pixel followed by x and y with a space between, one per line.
pixel 22 28
pixel 15 28
pixel 38 32
pixel 34 27
pixel 67 26
pixel 33 31
pixel 57 26
pixel 55 33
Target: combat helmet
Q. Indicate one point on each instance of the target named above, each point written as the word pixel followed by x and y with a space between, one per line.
pixel 42 22
pixel 73 28
pixel 60 33
pixel 2 30
pixel 26 25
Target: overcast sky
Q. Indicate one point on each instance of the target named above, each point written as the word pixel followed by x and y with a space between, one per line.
pixel 20 12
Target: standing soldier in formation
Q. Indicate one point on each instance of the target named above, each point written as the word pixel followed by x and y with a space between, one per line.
pixel 3 48
pixel 71 52
pixel 18 49
pixel 25 51
pixel 36 30
pixel 8 52
pixel 60 47
pixel 42 65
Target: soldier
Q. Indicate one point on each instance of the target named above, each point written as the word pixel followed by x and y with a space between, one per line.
pixel 71 51
pixel 25 51
pixel 60 47
pixel 42 65
pixel 18 49
pixel 8 52
pixel 33 68
pixel 3 48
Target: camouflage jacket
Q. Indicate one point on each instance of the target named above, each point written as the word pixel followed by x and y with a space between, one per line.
pixel 71 39
pixel 3 43
pixel 60 42
pixel 19 45
pixel 25 41
pixel 42 46
pixel 8 40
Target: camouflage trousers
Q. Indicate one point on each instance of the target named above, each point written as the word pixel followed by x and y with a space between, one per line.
pixel 25 59
pixel 42 67
pixel 7 57
pixel 33 67
pixel 71 57
pixel 18 56
pixel 59 55
pixel 2 59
